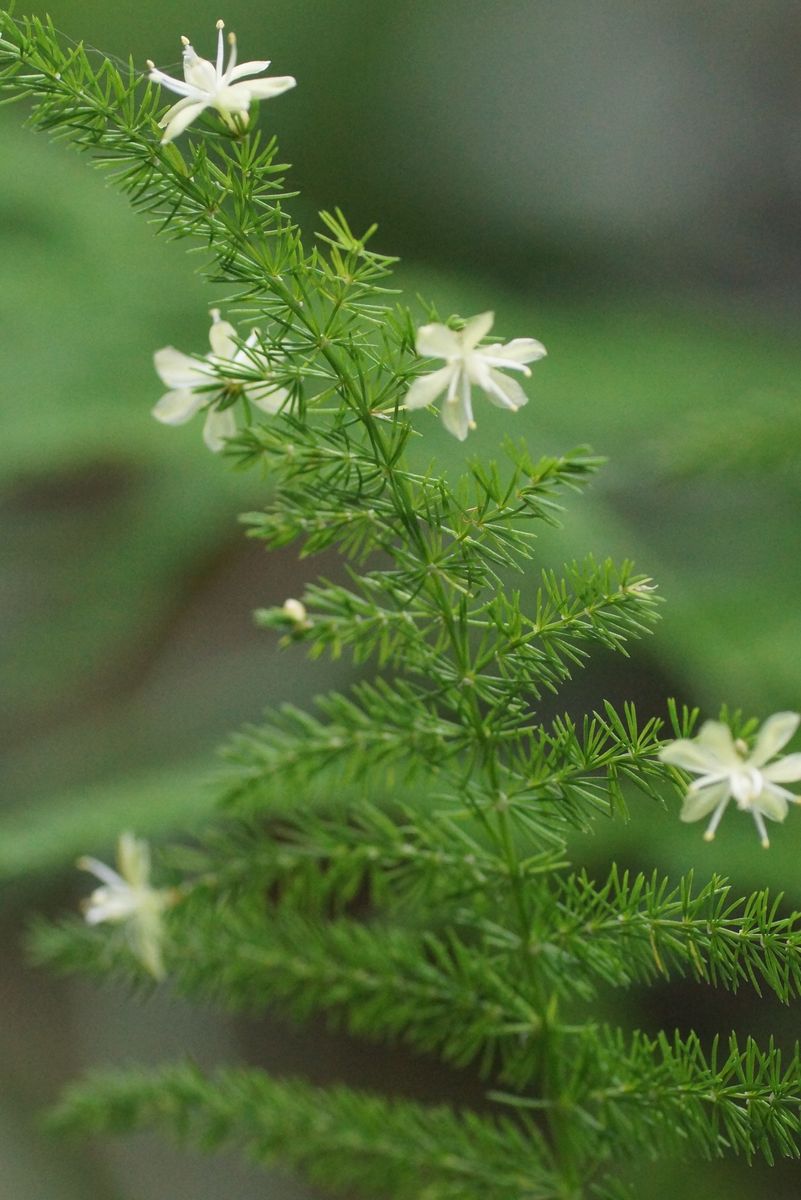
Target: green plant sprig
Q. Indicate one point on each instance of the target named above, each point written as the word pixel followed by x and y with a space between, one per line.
pixel 394 856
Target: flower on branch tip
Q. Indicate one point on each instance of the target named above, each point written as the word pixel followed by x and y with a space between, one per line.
pixel 295 611
pixel 208 85
pixel 215 383
pixel 467 363
pixel 127 897
pixel 728 770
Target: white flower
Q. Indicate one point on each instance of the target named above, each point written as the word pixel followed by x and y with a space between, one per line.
pixel 295 611
pixel 126 896
pixel 727 771
pixel 468 364
pixel 207 85
pixel 196 383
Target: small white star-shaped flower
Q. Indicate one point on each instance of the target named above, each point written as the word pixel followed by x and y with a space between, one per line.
pixel 198 383
pixel 728 771
pixel 208 85
pixel 126 896
pixel 468 364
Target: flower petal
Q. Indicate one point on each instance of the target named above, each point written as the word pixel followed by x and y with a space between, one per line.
pixel 222 337
pixel 110 904
pixel 457 411
pixel 146 937
pixel 233 100
pixel 133 859
pixel 218 427
pixel 199 72
pixel 455 420
pixel 522 350
pixel 775 733
pixel 772 802
pixel 99 869
pixel 179 86
pixel 265 89
pixel 266 396
pixel 475 329
pixel 437 341
pixel 699 803
pixel 180 371
pixel 179 117
pixel 254 67
pixel 176 408
pixel 716 740
pixel 425 390
pixel 505 392
pixel 179 108
pixel 784 770
pixel 687 754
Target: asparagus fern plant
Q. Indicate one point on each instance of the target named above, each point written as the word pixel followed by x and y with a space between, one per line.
pixel 394 857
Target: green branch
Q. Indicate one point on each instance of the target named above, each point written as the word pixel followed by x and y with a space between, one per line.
pixel 349 1141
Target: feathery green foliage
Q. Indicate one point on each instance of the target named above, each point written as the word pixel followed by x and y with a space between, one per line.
pixel 395 856
pixel 340 1138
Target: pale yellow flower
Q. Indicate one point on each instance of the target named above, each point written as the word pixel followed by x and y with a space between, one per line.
pixel 126 897
pixel 467 364
pixel 728 771
pixel 209 85
pixel 202 383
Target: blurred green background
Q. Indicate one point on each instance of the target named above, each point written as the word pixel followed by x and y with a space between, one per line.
pixel 620 180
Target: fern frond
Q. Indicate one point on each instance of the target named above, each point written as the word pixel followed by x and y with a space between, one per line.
pixel 638 929
pixel 666 1095
pixel 380 725
pixel 402 857
pixel 352 1142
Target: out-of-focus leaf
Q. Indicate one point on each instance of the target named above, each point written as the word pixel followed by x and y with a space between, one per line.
pixel 49 836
